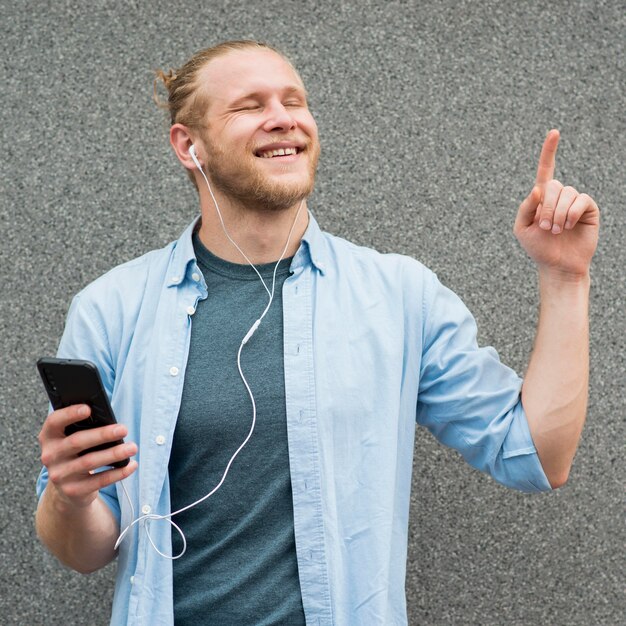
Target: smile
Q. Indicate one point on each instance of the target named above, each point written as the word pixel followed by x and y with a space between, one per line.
pixel 278 151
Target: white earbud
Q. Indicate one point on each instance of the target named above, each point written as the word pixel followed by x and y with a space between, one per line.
pixel 192 152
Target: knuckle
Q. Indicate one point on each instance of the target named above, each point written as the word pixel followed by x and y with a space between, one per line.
pixel 570 190
pixel 46 457
pixel 83 463
pixel 104 478
pixel 106 434
pixel 54 477
pixel 74 444
pixel 72 490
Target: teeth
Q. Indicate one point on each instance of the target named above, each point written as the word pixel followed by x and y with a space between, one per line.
pixel 279 152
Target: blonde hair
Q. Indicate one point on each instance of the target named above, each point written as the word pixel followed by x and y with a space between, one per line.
pixel 186 103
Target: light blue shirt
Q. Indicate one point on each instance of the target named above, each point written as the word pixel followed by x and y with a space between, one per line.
pixel 372 344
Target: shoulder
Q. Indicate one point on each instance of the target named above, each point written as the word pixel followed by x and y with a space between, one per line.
pixel 127 283
pixel 369 263
pixel 103 316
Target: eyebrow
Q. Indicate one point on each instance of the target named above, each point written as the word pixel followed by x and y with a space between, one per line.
pixel 256 95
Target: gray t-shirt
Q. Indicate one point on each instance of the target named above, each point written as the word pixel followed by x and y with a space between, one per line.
pixel 240 566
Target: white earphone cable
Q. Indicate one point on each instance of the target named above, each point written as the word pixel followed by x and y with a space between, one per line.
pixel 152 516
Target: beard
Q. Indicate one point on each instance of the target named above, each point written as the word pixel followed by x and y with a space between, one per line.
pixel 243 180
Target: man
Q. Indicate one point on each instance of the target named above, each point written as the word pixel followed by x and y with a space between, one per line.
pixel 310 521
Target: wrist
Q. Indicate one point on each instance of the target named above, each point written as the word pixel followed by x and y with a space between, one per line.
pixel 569 294
pixel 63 505
pixel 557 279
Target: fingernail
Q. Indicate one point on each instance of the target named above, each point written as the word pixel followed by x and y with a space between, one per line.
pixel 119 431
pixel 83 411
pixel 556 229
pixel 545 224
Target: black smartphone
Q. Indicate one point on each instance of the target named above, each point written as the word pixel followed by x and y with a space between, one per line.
pixel 72 381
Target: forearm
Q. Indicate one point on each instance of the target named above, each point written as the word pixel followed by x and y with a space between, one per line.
pixel 554 393
pixel 80 537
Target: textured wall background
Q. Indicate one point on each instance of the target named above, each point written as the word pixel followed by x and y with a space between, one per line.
pixel 432 115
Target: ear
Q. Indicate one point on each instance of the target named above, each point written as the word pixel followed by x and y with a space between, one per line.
pixel 181 140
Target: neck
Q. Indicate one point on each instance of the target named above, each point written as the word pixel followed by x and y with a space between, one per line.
pixel 261 234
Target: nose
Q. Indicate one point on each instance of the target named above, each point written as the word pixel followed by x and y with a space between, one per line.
pixel 278 118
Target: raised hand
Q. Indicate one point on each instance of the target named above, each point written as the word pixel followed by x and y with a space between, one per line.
pixel 557 226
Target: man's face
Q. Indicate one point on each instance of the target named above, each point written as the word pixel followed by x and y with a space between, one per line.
pixel 261 140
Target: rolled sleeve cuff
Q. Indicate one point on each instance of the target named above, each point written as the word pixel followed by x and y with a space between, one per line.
pixel 518 459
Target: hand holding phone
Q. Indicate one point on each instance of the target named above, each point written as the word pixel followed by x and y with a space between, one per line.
pixel 81 435
pixel 72 381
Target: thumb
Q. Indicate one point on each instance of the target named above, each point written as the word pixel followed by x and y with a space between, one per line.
pixel 528 208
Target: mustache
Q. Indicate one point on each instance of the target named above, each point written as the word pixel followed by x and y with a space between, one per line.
pixel 299 141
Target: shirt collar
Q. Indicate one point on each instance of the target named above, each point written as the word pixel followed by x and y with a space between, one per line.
pixel 312 250
pixel 183 256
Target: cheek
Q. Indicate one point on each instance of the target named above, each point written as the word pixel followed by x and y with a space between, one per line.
pixel 238 133
pixel 308 125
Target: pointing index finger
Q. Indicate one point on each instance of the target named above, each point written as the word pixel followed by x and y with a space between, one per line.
pixel 547 158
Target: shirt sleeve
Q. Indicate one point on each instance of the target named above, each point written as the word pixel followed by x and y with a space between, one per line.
pixel 469 400
pixel 84 338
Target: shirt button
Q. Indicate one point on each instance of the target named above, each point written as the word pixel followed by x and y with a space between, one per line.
pixel 175 279
pixel 174 371
pixel 160 440
pixel 195 276
pixel 132 580
pixel 191 310
pixel 145 509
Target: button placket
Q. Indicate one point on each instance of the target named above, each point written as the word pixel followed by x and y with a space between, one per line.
pixel 304 454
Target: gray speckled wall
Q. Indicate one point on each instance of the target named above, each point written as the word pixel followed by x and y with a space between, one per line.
pixel 431 115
